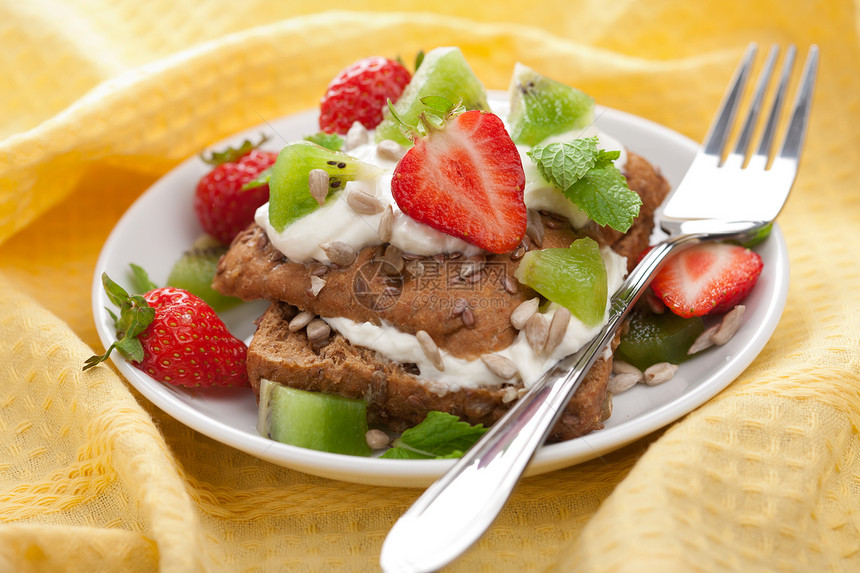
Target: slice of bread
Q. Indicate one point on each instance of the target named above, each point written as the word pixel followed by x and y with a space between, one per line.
pixel 424 294
pixel 397 398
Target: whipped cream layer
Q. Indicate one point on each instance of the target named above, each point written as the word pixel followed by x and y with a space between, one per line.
pixel 460 373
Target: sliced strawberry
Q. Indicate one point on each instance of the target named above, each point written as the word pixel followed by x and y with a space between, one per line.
pixel 710 278
pixel 359 92
pixel 465 179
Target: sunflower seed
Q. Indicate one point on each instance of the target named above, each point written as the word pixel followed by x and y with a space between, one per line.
pixel 534 227
pixel 552 223
pixel 320 271
pixel 500 366
pixel 363 203
pixel 431 351
pixel 376 439
pixel 660 373
pixel 537 330
pixel 386 225
pixel 458 306
pixel 509 395
pixel 356 135
pixel 317 330
pixel 390 150
pixel 621 367
pixel 704 340
pixel 339 253
pixel 468 317
pixel 318 181
pixel 524 312
pixel 472 265
pixel 301 320
pixel 317 285
pixel 729 326
pixel 392 262
pixel 518 253
pixel 619 383
pixel 557 328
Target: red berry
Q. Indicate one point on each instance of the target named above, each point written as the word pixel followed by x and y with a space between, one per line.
pixel 222 206
pixel 187 344
pixel 360 92
pixel 465 179
pixel 175 337
pixel 710 278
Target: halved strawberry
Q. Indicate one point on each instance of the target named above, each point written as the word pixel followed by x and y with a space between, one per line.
pixel 465 178
pixel 710 278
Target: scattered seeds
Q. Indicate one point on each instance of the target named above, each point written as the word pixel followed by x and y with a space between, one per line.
pixel 518 253
pixel 729 326
pixel 534 227
pixel 524 312
pixel 386 224
pixel 363 203
pixel 320 271
pixel 472 265
pixel 557 328
pixel 317 330
pixel 537 329
pixel 339 253
pixel 509 395
pixel 317 285
pixel 619 383
pixel 499 365
pixel 390 150
pixel 660 373
pixel 431 351
pixel 621 367
pixel 318 181
pixel 509 284
pixel 458 306
pixel 356 135
pixel 301 320
pixel 376 439
pixel 468 317
pixel 704 340
pixel 392 261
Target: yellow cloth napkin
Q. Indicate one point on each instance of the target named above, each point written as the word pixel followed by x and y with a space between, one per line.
pixel 100 98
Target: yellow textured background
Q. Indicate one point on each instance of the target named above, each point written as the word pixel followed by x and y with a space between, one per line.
pixel 98 99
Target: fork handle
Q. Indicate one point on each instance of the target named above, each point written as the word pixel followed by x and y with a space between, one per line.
pixel 456 510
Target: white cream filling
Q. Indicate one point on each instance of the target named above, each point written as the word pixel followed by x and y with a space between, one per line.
pixel 459 373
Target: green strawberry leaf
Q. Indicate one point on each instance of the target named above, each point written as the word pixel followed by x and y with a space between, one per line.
pixel 232 154
pixel 142 282
pixel 588 177
pixel 439 436
pixel 261 179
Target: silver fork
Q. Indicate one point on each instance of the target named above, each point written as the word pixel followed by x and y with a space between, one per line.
pixel 747 196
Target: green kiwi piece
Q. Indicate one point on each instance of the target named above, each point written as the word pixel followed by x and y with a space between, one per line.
pixel 443 72
pixel 289 189
pixel 541 107
pixel 654 338
pixel 313 420
pixel 195 270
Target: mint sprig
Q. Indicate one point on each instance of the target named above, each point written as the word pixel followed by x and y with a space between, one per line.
pixel 588 177
pixel 439 436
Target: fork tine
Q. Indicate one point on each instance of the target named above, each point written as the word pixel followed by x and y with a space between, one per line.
pixel 746 134
pixel 763 153
pixel 796 132
pixel 718 133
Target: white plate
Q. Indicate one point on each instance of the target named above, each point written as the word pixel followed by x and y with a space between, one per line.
pixel 161 225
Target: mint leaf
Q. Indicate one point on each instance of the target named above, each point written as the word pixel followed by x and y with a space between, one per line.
pixel 562 164
pixel 330 141
pixel 604 195
pixel 439 436
pixel 588 177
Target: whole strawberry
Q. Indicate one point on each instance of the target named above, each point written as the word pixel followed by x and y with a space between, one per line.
pixel 359 92
pixel 175 337
pixel 709 278
pixel 228 196
pixel 463 176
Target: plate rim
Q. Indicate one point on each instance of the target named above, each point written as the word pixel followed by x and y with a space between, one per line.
pixel 419 473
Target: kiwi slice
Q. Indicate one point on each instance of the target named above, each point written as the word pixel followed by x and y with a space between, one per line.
pixel 574 277
pixel 195 270
pixel 313 420
pixel 541 107
pixel 654 338
pixel 289 189
pixel 443 72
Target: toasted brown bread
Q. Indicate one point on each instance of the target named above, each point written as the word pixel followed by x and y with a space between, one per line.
pixel 428 294
pixel 396 398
